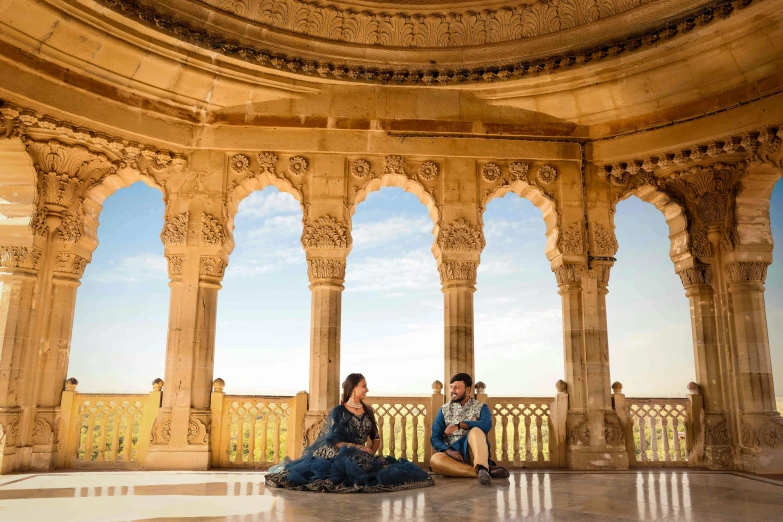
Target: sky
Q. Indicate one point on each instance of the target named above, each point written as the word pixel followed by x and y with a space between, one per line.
pixel 392 317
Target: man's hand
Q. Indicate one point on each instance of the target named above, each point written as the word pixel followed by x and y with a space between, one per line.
pixel 451 429
pixel 454 455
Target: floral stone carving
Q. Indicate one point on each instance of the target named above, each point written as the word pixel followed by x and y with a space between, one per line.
pixel 461 236
pixel 325 232
pixel 394 165
pixel 240 163
pixel 570 241
pixel 360 168
pixel 490 172
pixel 326 268
pixel 175 230
pixel 518 171
pixel 605 241
pixel 546 174
pixel 297 166
pixel 428 171
pixel 267 161
pixel 457 271
pixel 212 231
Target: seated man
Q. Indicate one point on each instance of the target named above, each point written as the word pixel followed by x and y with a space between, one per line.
pixel 460 436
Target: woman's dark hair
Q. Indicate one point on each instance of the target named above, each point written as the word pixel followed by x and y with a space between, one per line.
pixel 351 382
pixel 464 377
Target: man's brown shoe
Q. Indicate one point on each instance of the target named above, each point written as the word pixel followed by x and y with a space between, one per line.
pixel 498 472
pixel 484 477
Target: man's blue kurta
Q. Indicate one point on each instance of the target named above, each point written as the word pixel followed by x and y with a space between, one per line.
pixel 484 423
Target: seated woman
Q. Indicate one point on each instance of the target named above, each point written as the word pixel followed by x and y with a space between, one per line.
pixel 340 460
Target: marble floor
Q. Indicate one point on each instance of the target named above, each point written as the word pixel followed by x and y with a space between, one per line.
pixel 242 497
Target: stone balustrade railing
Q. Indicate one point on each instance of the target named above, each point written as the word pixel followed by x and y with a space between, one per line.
pixel 105 431
pixel 111 431
pixel 660 432
pixel 254 431
pixel 405 426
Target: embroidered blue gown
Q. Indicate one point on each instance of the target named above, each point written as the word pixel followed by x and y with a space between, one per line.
pixel 325 468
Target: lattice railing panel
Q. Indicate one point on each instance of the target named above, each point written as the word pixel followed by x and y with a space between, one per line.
pixel 108 428
pixel 659 430
pixel 521 427
pixel 257 430
pixel 403 426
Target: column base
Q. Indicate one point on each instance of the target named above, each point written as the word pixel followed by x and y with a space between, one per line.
pixel 314 424
pixel 762 443
pixel 719 457
pixel 192 458
pixel 27 458
pixel 762 461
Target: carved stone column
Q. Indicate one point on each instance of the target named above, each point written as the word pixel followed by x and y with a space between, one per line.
pixel 326 243
pixel 595 437
pixel 180 435
pixel 458 251
pixel 18 277
pixel 40 280
pixel 458 282
pixel 759 423
pixel 712 360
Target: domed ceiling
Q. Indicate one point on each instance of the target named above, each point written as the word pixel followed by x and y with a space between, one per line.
pixel 425 41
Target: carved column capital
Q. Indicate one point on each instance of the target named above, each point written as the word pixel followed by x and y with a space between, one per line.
pixel 324 270
pixel 695 275
pixel 746 271
pixel 69 266
pixel 458 273
pixel 211 269
pixel 64 173
pixel 568 273
pixel 27 258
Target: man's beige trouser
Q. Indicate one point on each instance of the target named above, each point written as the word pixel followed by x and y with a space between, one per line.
pixel 442 464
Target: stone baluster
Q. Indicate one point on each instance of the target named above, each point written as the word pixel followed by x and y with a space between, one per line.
pixel 593 426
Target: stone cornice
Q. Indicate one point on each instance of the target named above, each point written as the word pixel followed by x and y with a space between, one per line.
pixel 757 145
pixel 367 25
pixel 203 34
pixel 17 121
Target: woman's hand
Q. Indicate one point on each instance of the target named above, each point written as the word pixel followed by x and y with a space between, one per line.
pixel 367 449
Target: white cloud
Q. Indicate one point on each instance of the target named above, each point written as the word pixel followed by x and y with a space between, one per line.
pixel 269 203
pixel 411 271
pixel 140 267
pixel 369 235
pixel 496 267
pixel 261 261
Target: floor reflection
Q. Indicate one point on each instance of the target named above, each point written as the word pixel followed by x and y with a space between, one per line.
pixel 531 495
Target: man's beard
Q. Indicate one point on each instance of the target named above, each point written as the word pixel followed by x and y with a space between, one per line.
pixel 459 399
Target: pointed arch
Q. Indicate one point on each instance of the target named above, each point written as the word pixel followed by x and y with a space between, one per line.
pixel 239 190
pixel 96 195
pixel 544 201
pixel 407 184
pixel 674 213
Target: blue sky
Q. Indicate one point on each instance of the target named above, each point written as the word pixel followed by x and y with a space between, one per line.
pixel 392 323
